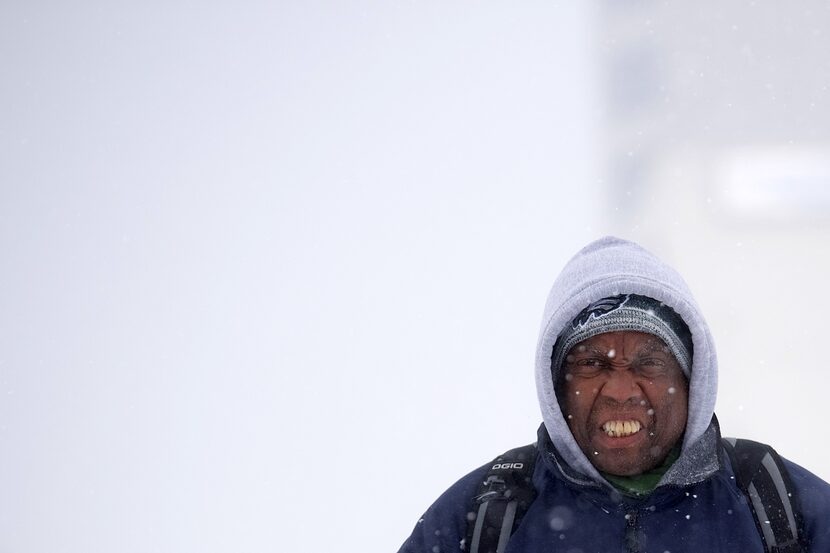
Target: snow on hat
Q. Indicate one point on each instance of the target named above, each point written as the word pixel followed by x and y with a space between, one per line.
pixel 627 312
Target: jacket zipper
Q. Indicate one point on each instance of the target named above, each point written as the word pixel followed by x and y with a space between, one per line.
pixel 632 536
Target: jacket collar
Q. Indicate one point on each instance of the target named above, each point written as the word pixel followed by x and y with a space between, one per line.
pixel 699 462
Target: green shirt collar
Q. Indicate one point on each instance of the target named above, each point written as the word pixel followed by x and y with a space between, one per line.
pixel 643 484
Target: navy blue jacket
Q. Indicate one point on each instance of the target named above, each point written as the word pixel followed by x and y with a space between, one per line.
pixel 708 517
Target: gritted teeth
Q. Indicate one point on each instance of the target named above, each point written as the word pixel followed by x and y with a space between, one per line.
pixel 617 429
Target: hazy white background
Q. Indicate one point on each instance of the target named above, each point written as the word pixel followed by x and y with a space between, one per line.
pixel 272 272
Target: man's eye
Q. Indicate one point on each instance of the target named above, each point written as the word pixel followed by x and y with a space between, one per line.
pixel 651 366
pixel 589 366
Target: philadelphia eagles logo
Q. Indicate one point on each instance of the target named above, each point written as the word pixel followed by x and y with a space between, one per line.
pixel 599 308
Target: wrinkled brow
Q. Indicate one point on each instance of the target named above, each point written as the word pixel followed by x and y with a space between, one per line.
pixel 652 346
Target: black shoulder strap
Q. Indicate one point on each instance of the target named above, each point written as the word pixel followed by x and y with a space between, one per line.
pixel 764 479
pixel 503 498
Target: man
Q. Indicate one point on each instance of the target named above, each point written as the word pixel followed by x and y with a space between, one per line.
pixel 630 456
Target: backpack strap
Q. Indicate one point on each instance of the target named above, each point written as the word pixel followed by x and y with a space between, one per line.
pixel 502 500
pixel 763 478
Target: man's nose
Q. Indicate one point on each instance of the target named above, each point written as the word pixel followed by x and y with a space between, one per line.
pixel 621 386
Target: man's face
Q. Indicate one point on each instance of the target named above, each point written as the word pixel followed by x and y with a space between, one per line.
pixel 625 399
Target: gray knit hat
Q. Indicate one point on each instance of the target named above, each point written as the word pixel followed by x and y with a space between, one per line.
pixel 627 312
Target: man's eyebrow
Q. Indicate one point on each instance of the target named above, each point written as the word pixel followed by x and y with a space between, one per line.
pixel 653 346
pixel 582 349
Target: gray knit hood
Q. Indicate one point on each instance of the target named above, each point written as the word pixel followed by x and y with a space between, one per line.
pixel 610 267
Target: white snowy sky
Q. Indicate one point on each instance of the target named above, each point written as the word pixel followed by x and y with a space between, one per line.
pixel 272 272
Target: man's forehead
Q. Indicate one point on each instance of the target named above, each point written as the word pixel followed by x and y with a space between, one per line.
pixel 640 341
